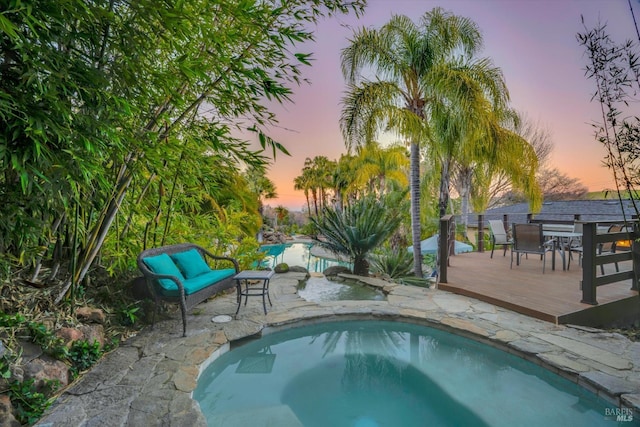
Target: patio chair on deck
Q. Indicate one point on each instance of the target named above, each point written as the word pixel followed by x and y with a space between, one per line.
pixel 529 239
pixel 575 245
pixel 609 247
pixel 499 236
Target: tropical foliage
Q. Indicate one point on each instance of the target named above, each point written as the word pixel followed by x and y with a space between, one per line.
pixel 394 264
pixel 554 184
pixel 316 180
pixel 118 124
pixel 357 229
pixel 373 170
pixel 432 90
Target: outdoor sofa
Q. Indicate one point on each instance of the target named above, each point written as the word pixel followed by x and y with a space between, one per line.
pixel 185 273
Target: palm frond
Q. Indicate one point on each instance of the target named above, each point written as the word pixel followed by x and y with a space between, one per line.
pixel 362 105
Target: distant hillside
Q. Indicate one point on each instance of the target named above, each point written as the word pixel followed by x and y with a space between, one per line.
pixel 610 194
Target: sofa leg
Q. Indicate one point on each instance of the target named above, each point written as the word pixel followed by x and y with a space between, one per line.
pixel 183 309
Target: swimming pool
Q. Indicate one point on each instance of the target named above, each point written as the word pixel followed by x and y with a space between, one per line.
pixel 297 254
pixel 381 373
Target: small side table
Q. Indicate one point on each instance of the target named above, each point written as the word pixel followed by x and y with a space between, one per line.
pixel 246 276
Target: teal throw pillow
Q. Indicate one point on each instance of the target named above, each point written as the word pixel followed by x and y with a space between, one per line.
pixel 191 263
pixel 163 264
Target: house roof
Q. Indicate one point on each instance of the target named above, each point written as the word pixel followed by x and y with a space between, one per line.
pixel 564 210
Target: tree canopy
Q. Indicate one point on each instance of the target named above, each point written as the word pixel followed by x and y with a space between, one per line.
pixel 430 87
pixel 124 113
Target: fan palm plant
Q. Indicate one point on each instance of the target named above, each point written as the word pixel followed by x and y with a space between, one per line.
pixel 357 229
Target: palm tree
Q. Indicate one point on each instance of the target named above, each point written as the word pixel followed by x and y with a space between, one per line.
pixel 344 177
pixel 282 214
pixel 500 152
pixel 317 178
pixel 468 131
pixel 379 168
pixel 301 183
pixel 309 179
pixel 261 186
pixel 323 173
pixel 357 229
pixel 411 63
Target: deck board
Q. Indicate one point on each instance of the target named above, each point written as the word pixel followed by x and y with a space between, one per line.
pixel 553 296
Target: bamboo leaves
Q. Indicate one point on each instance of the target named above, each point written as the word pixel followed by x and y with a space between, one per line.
pixel 100 99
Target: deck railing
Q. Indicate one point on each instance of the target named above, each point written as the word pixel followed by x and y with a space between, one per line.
pixel 592 259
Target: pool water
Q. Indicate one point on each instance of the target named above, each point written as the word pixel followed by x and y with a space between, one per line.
pixel 320 289
pixel 296 254
pixel 380 373
pixel 317 289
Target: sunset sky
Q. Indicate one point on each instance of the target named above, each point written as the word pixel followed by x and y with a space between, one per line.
pixel 532 41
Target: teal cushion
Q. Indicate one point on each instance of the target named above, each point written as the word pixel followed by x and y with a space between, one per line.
pixel 191 263
pixel 192 286
pixel 162 264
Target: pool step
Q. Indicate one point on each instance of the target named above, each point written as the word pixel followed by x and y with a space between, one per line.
pixel 269 416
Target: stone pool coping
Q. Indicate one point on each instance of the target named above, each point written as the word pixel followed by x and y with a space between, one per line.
pixel 149 379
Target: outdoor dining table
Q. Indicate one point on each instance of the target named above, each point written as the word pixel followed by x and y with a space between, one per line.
pixel 563 239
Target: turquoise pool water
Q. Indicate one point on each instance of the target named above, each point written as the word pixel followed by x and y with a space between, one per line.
pixel 379 373
pixel 320 289
pixel 317 289
pixel 296 254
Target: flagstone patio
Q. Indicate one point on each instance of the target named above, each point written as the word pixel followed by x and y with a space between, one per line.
pixel 149 379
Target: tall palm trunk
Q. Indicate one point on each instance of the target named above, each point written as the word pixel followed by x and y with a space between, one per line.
pixel 314 194
pixel 465 179
pixel 338 205
pixel 445 178
pixel 415 208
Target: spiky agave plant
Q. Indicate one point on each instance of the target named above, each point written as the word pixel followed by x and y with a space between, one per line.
pixel 357 229
pixel 393 263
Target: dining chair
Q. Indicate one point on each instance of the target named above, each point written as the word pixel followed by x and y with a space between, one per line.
pixel 499 236
pixel 529 239
pixel 575 245
pixel 609 247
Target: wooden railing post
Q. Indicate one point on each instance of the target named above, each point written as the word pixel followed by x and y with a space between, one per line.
pixel 481 233
pixel 443 249
pixel 635 257
pixel 588 283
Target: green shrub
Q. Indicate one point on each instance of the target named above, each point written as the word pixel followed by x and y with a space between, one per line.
pixel 37 331
pixel 247 253
pixel 398 265
pixel 394 264
pixel 29 404
pixel 309 229
pixel 128 314
pixel 281 268
pixel 83 355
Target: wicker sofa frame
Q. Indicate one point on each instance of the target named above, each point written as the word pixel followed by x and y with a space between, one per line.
pixel 187 302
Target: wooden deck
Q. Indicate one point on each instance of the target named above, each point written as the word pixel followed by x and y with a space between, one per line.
pixel 553 296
